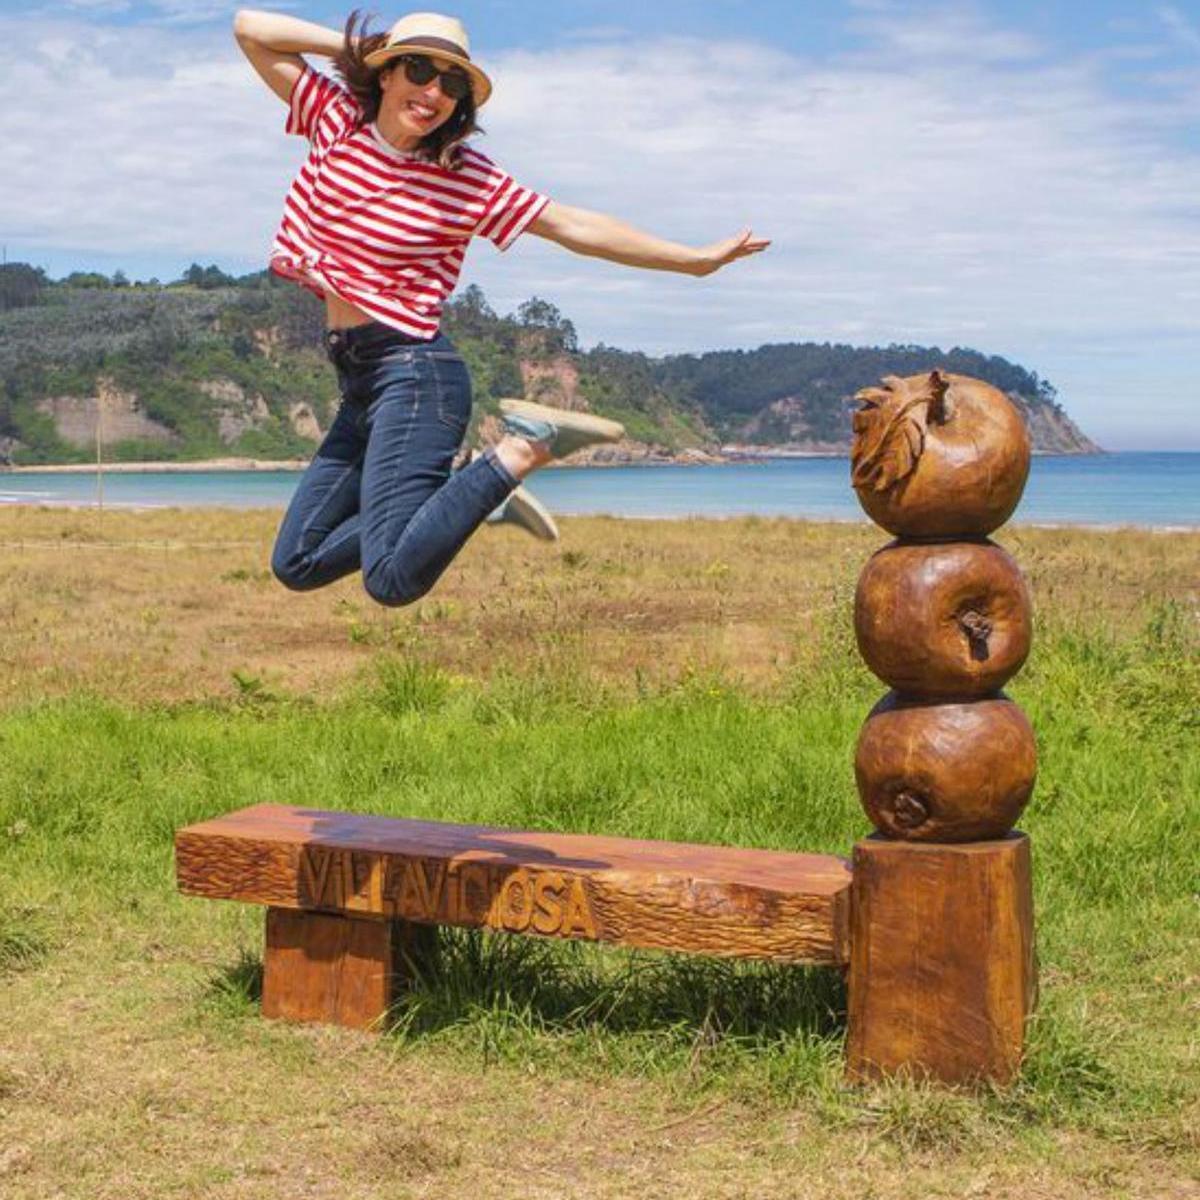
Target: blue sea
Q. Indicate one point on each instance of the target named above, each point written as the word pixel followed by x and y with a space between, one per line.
pixel 1144 489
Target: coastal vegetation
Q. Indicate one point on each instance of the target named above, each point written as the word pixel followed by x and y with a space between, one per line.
pixel 690 680
pixel 211 365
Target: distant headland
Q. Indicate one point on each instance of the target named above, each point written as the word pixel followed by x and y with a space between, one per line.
pixel 213 372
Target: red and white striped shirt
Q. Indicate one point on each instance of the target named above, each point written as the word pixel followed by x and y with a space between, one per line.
pixel 380 228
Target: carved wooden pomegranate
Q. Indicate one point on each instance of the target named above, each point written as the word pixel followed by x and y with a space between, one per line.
pixel 945 772
pixel 946 620
pixel 938 456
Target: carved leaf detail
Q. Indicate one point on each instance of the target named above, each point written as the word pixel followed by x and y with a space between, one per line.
pixel 889 434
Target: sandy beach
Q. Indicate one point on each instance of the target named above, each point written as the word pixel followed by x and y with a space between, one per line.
pixel 165 468
pixel 683 459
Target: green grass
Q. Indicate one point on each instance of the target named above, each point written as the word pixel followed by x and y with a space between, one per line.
pixel 91 794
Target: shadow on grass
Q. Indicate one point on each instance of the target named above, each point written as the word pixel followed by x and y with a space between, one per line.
pixel 567 988
pixel 498 991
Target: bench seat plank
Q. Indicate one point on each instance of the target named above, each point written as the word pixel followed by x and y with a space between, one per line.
pixel 763 904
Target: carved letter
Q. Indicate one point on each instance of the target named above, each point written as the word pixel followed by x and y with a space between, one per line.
pixel 393 885
pixel 474 910
pixel 547 897
pixel 411 901
pixel 579 912
pixel 516 901
pixel 431 897
pixel 365 874
pixel 314 873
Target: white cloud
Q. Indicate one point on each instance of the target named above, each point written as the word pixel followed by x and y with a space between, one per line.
pixel 951 181
pixel 1026 201
pixel 947 33
pixel 1184 31
pixel 178 12
pixel 98 7
pixel 139 140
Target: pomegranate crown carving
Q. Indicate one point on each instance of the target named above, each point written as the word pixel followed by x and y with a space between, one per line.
pixel 890 427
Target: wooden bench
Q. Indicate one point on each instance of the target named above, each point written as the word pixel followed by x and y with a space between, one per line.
pixel 348 898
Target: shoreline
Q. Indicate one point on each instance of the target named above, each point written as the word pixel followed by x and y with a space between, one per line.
pixel 727 457
pixel 161 468
pixel 1078 526
pixel 220 465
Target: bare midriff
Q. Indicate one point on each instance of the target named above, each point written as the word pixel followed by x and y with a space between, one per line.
pixel 341 314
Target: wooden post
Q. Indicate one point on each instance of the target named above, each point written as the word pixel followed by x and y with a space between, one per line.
pixel 336 968
pixel 942 974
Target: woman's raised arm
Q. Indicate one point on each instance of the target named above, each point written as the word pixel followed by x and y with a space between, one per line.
pixel 274 42
pixel 600 236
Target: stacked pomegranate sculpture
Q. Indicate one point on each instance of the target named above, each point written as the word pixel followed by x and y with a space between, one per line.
pixel 943 974
pixel 942 614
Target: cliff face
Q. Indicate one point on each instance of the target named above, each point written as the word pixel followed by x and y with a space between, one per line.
pixel 112 413
pixel 118 416
pixel 555 382
pixel 1053 432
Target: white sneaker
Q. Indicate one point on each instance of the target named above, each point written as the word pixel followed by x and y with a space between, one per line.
pixel 562 430
pixel 523 509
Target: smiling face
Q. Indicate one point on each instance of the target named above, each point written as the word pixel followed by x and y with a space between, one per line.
pixel 409 111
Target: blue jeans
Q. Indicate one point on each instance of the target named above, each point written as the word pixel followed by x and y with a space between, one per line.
pixel 379 494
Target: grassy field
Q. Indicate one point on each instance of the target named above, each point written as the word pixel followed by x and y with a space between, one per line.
pixel 692 680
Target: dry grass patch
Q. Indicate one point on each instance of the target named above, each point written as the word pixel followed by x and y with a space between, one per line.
pixel 180 605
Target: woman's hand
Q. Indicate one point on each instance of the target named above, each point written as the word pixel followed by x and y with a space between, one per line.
pixel 719 254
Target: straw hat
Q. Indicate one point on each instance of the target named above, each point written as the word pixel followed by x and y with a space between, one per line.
pixel 438 37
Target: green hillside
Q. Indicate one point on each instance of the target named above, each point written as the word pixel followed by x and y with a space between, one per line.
pixel 211 365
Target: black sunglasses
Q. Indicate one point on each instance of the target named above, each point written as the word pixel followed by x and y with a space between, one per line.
pixel 418 69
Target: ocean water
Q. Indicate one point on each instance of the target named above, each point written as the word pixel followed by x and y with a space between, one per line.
pixel 1145 489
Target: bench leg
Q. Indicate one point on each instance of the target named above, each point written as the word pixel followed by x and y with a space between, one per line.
pixel 942 972
pixel 334 968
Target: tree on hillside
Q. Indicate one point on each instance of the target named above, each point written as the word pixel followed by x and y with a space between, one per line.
pixel 21 285
pixel 207 277
pixel 87 279
pixel 552 332
pixel 470 313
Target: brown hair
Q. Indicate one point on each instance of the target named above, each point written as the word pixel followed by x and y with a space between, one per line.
pixel 442 145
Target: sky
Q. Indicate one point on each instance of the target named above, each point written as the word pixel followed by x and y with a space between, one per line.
pixel 1020 178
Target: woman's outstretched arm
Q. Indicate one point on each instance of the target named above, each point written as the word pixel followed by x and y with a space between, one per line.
pixel 274 42
pixel 601 236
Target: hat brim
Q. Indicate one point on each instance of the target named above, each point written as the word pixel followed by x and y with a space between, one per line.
pixel 481 85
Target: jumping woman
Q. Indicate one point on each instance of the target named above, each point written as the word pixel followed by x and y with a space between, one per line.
pixel 377 223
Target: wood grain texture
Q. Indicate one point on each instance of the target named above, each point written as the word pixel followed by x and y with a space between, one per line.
pixel 658 895
pixel 327 967
pixel 945 772
pixel 942 972
pixel 943 621
pixel 338 969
